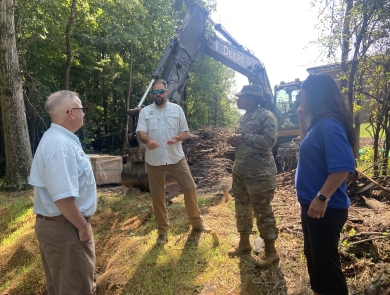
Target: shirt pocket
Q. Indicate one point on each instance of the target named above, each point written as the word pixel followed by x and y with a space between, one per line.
pixel 172 121
pixel 86 169
pixel 152 122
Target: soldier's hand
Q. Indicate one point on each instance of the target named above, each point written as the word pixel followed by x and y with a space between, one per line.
pixel 231 140
pixel 152 144
pixel 239 138
pixel 235 139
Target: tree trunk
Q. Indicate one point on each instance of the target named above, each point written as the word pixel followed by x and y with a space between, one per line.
pixel 346 48
pixel 16 138
pixel 126 140
pixel 68 45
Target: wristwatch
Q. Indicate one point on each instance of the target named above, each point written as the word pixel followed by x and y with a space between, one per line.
pixel 322 197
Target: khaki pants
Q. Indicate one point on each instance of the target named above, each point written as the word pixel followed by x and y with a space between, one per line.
pixel 181 173
pixel 68 263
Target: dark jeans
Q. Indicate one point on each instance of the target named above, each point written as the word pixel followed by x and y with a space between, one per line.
pixel 321 238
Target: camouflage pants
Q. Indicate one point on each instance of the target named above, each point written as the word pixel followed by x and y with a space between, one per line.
pixel 252 196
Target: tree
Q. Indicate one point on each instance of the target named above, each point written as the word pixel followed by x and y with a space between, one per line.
pixel 15 132
pixel 99 63
pixel 353 28
pixel 68 44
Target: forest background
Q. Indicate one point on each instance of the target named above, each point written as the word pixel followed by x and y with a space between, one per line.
pixel 106 51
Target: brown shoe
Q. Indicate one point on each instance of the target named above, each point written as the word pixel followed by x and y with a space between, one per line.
pixel 162 239
pixel 269 256
pixel 200 225
pixel 244 246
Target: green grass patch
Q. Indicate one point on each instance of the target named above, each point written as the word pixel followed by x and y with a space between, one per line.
pixel 366 131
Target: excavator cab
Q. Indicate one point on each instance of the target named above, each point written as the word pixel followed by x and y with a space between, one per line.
pixel 286 101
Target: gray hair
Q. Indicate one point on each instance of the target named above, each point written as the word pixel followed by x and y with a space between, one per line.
pixel 59 98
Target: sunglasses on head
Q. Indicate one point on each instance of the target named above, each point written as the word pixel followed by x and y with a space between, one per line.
pixel 160 91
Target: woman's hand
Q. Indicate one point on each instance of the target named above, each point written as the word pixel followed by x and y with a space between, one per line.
pixel 301 112
pixel 317 208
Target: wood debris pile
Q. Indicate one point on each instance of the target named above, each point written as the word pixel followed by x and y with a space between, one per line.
pixel 205 150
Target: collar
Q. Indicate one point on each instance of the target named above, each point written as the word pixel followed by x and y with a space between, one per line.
pixel 66 132
pixel 164 107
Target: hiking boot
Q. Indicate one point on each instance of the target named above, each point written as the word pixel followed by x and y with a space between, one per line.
pixel 200 225
pixel 269 256
pixel 162 239
pixel 244 246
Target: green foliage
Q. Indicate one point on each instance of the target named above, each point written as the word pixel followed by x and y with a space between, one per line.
pixel 208 99
pixel 366 159
pixel 100 68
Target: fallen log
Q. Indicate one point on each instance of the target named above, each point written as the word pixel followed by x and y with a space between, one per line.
pixel 374 204
pixel 380 285
pixel 372 180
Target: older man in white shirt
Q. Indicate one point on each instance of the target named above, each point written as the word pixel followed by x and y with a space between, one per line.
pixel 64 199
pixel 162 127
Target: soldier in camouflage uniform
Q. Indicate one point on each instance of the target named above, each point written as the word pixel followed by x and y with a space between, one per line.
pixel 254 173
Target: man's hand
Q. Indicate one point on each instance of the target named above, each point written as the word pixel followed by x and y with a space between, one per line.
pixel 317 208
pixel 151 144
pixel 235 139
pixel 70 210
pixel 85 233
pixel 173 140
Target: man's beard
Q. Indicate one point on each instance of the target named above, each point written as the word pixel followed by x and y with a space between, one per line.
pixel 159 100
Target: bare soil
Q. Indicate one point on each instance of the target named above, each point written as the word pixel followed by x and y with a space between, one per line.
pixel 366 232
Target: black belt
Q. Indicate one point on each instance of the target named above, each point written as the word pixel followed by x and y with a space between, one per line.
pixel 59 218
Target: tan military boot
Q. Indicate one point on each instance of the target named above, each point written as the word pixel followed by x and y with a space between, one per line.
pixel 200 225
pixel 244 246
pixel 269 256
pixel 162 239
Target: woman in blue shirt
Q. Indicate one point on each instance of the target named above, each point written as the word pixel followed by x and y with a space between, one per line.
pixel 326 159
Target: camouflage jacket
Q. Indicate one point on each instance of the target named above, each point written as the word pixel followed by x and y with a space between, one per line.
pixel 259 131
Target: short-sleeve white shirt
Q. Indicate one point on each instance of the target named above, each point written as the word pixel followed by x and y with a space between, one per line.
pixel 162 124
pixel 60 169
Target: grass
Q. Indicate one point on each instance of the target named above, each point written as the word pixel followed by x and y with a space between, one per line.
pixel 363 131
pixel 366 131
pixel 129 262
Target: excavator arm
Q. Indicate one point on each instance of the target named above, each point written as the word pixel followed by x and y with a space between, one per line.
pixel 192 39
pixel 181 54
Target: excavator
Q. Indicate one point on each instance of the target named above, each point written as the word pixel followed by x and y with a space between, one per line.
pixel 192 39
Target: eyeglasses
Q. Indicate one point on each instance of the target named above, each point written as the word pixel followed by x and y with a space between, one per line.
pixel 160 91
pixel 76 109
